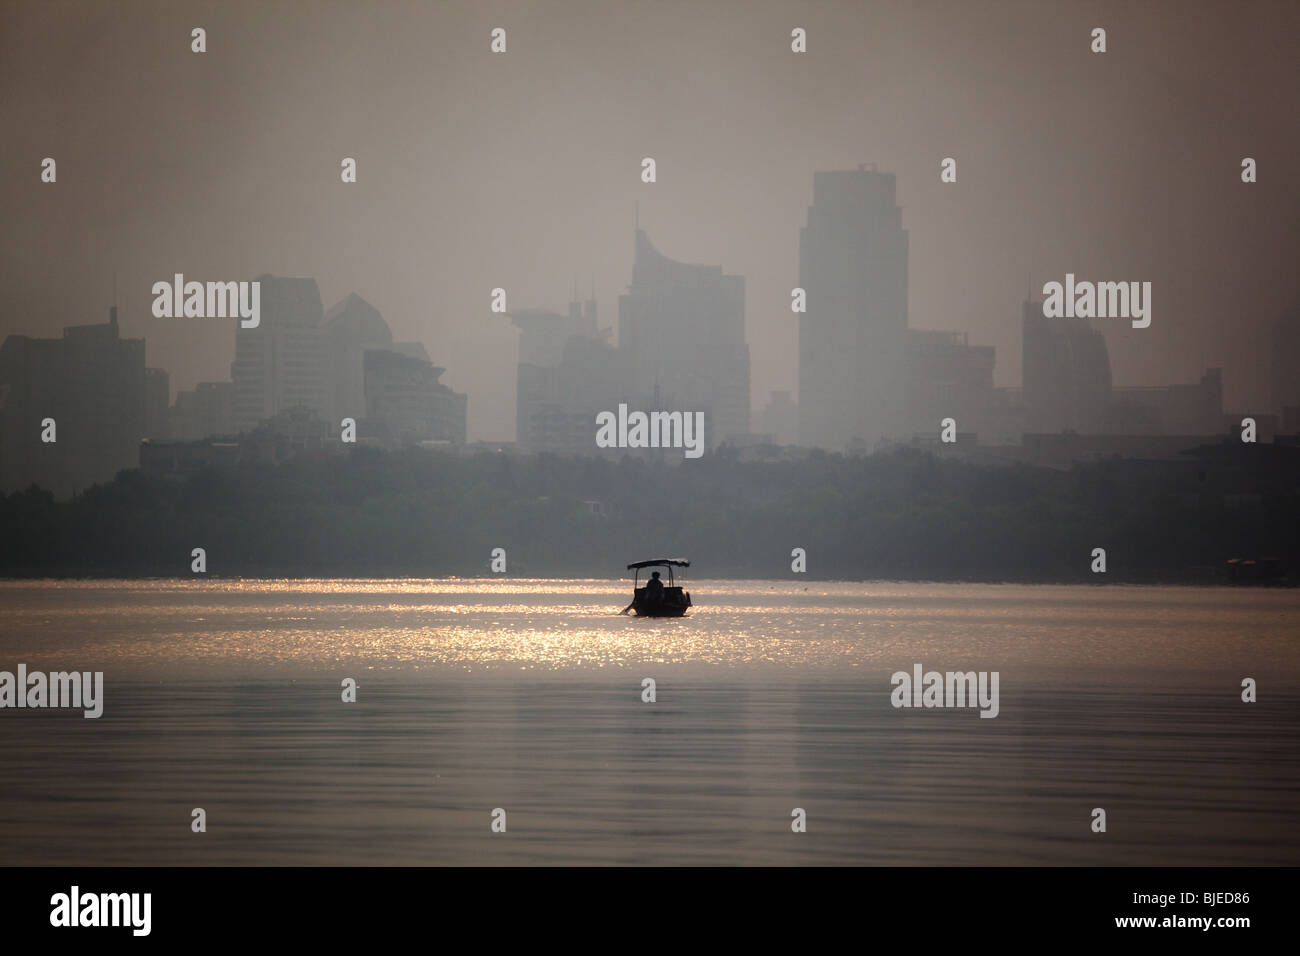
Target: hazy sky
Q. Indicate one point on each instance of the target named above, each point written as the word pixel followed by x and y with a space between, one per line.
pixel 519 170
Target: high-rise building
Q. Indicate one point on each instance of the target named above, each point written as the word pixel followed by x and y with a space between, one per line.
pixel 391 389
pixel 282 363
pixel 1065 373
pixel 92 384
pixel 351 327
pixel 946 377
pixel 341 364
pixel 853 334
pixel 1068 387
pixel 406 404
pixel 568 373
pixel 681 329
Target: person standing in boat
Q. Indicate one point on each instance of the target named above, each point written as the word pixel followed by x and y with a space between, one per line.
pixel 654 589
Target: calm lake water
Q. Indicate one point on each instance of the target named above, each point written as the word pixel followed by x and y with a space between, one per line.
pixel 526 695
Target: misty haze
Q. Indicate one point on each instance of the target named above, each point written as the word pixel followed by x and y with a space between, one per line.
pixel 919 380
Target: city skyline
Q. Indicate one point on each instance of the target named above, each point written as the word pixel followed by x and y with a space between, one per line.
pixel 306 375
pixel 430 228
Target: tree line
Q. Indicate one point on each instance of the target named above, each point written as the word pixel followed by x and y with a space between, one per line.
pixel 905 515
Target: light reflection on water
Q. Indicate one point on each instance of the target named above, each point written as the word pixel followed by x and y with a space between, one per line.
pixel 526 695
pixel 1069 634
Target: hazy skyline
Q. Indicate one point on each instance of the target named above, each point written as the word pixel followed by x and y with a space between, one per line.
pixel 519 170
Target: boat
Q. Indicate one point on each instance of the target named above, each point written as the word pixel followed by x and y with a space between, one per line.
pixel 673 600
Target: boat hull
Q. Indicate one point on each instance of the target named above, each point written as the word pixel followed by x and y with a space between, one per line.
pixel 660 610
pixel 674 603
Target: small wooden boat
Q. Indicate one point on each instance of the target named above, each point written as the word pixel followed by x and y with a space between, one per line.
pixel 654 598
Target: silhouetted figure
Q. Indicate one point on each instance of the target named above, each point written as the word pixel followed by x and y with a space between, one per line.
pixel 654 589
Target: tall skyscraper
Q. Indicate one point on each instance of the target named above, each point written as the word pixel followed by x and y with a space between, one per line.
pixel 282 362
pixel 682 330
pixel 853 336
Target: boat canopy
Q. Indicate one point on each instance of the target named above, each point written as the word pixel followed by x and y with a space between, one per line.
pixel 660 562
